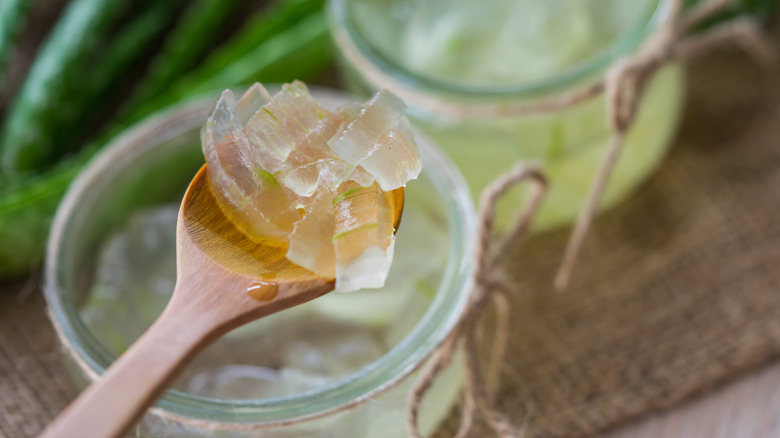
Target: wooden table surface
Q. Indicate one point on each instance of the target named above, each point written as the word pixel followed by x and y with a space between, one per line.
pixel 746 408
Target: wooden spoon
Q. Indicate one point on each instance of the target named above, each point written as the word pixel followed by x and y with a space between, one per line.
pixel 224 280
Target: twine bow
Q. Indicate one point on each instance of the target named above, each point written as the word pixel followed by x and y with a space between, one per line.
pixel 489 285
pixel 623 86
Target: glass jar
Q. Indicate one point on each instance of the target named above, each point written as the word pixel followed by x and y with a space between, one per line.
pixel 441 56
pixel 150 165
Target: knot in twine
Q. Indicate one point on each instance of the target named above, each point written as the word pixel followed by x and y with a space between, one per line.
pixel 623 86
pixel 489 285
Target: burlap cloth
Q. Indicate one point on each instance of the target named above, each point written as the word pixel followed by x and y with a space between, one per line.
pixel 677 290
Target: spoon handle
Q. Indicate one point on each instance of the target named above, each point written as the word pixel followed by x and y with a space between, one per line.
pixel 112 404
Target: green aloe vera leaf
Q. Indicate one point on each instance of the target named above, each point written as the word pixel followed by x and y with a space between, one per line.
pixel 183 48
pixel 129 44
pixel 25 215
pixel 91 97
pixel 299 52
pixel 276 26
pixel 26 208
pixel 293 44
pixel 28 143
pixel 260 28
pixel 12 13
pixel 762 10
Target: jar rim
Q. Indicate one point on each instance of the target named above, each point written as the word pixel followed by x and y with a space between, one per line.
pixel 359 52
pixel 438 320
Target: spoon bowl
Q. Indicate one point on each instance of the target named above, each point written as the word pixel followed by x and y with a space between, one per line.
pixel 204 226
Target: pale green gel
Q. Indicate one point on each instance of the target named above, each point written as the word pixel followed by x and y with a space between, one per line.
pixel 524 42
pixel 569 145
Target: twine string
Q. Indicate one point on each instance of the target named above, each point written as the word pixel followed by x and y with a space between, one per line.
pixel 489 285
pixel 623 86
pixel 625 83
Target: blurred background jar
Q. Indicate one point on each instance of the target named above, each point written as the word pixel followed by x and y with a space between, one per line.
pixel 442 55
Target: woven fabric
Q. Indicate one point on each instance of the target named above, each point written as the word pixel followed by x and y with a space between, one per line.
pixel 676 291
pixel 677 288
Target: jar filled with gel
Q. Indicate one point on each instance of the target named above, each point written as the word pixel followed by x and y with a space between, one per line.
pixel 340 365
pixel 441 54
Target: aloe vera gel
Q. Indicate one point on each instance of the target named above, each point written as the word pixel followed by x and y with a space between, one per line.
pixel 493 53
pixel 340 365
pixel 300 350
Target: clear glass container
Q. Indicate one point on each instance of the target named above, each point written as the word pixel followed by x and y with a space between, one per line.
pixel 237 387
pixel 442 55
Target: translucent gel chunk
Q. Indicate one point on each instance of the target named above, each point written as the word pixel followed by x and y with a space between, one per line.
pixel 309 243
pixel 134 276
pixel 284 121
pixel 381 113
pixel 254 98
pixel 287 168
pixel 220 137
pixel 310 165
pixel 361 177
pixel 363 239
pixel 244 188
pixel 393 160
